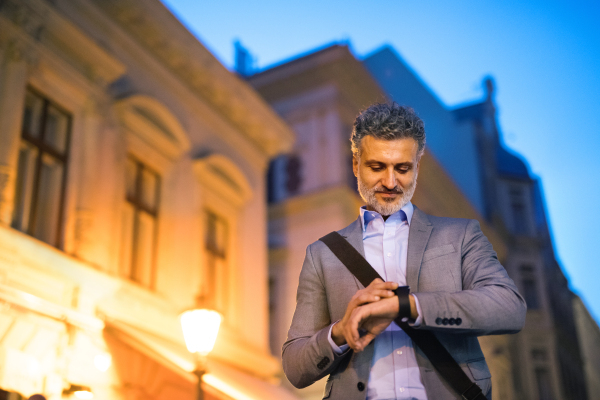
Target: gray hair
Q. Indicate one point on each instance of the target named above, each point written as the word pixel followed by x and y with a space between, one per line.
pixel 388 121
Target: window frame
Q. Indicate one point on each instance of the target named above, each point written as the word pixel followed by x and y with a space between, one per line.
pixel 42 149
pixel 138 206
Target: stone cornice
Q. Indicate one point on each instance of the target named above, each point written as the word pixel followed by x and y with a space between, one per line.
pixel 332 65
pixel 41 24
pixel 147 21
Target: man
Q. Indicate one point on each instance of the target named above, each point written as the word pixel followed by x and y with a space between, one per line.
pixel 459 290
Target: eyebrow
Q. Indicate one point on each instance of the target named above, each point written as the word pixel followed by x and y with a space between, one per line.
pixel 407 163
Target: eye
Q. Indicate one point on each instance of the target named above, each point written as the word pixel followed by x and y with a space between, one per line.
pixel 403 169
pixel 376 168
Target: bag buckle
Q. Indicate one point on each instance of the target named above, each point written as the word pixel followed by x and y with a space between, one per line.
pixel 473 392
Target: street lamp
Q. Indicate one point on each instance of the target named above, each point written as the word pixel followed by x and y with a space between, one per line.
pixel 200 328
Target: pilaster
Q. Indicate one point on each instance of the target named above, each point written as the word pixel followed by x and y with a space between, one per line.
pixel 16 60
pixel 87 184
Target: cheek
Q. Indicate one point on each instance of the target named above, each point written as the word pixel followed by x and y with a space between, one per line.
pixel 406 180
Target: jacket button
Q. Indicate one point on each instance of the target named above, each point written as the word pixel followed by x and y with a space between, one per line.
pixel 452 321
pixel 438 321
pixel 458 321
pixel 445 321
pixel 360 386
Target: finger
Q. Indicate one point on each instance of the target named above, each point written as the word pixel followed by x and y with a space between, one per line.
pixel 375 281
pixel 365 299
pixel 356 318
pixel 379 284
pixel 363 341
pixel 383 293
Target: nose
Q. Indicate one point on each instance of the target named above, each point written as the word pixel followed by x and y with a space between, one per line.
pixel 389 180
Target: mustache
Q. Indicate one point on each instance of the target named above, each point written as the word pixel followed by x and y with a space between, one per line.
pixel 382 189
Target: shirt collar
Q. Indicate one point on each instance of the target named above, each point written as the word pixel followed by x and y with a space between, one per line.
pixel 405 213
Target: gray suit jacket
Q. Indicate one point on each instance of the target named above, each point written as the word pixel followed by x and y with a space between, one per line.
pixel 453 271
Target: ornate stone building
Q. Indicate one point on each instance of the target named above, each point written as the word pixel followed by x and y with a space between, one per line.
pixel 132 187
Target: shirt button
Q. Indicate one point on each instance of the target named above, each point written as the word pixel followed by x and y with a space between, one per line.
pixel 399 352
pixel 389 254
pixel 401 390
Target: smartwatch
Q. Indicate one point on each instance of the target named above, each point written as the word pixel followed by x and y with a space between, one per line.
pixel 402 293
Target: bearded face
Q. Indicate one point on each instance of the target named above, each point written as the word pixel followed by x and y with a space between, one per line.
pixel 387 205
pixel 387 173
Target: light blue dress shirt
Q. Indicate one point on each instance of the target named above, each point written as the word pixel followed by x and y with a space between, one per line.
pixel 394 373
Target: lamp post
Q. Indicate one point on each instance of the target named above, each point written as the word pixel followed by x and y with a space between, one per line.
pixel 200 328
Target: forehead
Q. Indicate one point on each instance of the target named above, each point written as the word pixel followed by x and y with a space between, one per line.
pixel 394 151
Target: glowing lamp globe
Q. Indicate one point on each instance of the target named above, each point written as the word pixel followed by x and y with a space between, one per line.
pixel 200 329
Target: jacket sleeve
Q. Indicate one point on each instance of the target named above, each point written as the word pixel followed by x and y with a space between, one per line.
pixel 307 354
pixel 489 303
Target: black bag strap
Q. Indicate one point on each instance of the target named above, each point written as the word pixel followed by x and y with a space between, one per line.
pixel 430 345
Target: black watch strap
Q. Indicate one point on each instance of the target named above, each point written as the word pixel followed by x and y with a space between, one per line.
pixel 404 310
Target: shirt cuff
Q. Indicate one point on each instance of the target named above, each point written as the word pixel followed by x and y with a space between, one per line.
pixel 419 319
pixel 336 349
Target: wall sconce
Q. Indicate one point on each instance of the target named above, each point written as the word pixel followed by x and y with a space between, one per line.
pixel 80 392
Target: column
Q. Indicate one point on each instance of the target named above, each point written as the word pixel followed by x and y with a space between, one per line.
pixel 88 184
pixel 14 67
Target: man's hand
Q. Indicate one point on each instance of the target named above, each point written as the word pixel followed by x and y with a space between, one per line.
pixel 376 291
pixel 374 318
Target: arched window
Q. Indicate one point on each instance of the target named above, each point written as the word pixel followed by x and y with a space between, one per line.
pixel 155 139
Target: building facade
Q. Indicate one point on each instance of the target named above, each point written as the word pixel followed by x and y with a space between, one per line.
pixel 589 340
pixel 132 187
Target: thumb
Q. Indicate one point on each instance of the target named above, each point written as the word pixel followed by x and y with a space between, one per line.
pixel 363 341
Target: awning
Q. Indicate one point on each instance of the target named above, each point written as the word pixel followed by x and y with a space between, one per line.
pixel 227 380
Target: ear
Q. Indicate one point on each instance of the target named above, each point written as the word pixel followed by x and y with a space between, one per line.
pixel 355 164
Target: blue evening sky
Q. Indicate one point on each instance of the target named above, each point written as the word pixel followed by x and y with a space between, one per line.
pixel 543 55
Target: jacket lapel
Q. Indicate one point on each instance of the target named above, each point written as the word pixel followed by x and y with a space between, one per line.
pixel 354 235
pixel 418 236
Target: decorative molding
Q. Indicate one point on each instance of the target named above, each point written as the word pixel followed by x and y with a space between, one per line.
pixel 18 50
pixel 49 309
pixel 154 124
pixel 6 179
pixel 37 23
pixel 193 64
pixel 27 17
pixel 221 175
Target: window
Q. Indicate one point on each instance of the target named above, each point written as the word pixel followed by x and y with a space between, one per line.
pixel 518 211
pixel 140 214
pixel 539 355
pixel 41 171
pixel 225 191
pixel 294 174
pixel 529 284
pixel 216 272
pixel 542 378
pixel 530 294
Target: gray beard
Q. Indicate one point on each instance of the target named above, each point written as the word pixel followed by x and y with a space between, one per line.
pixel 391 206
